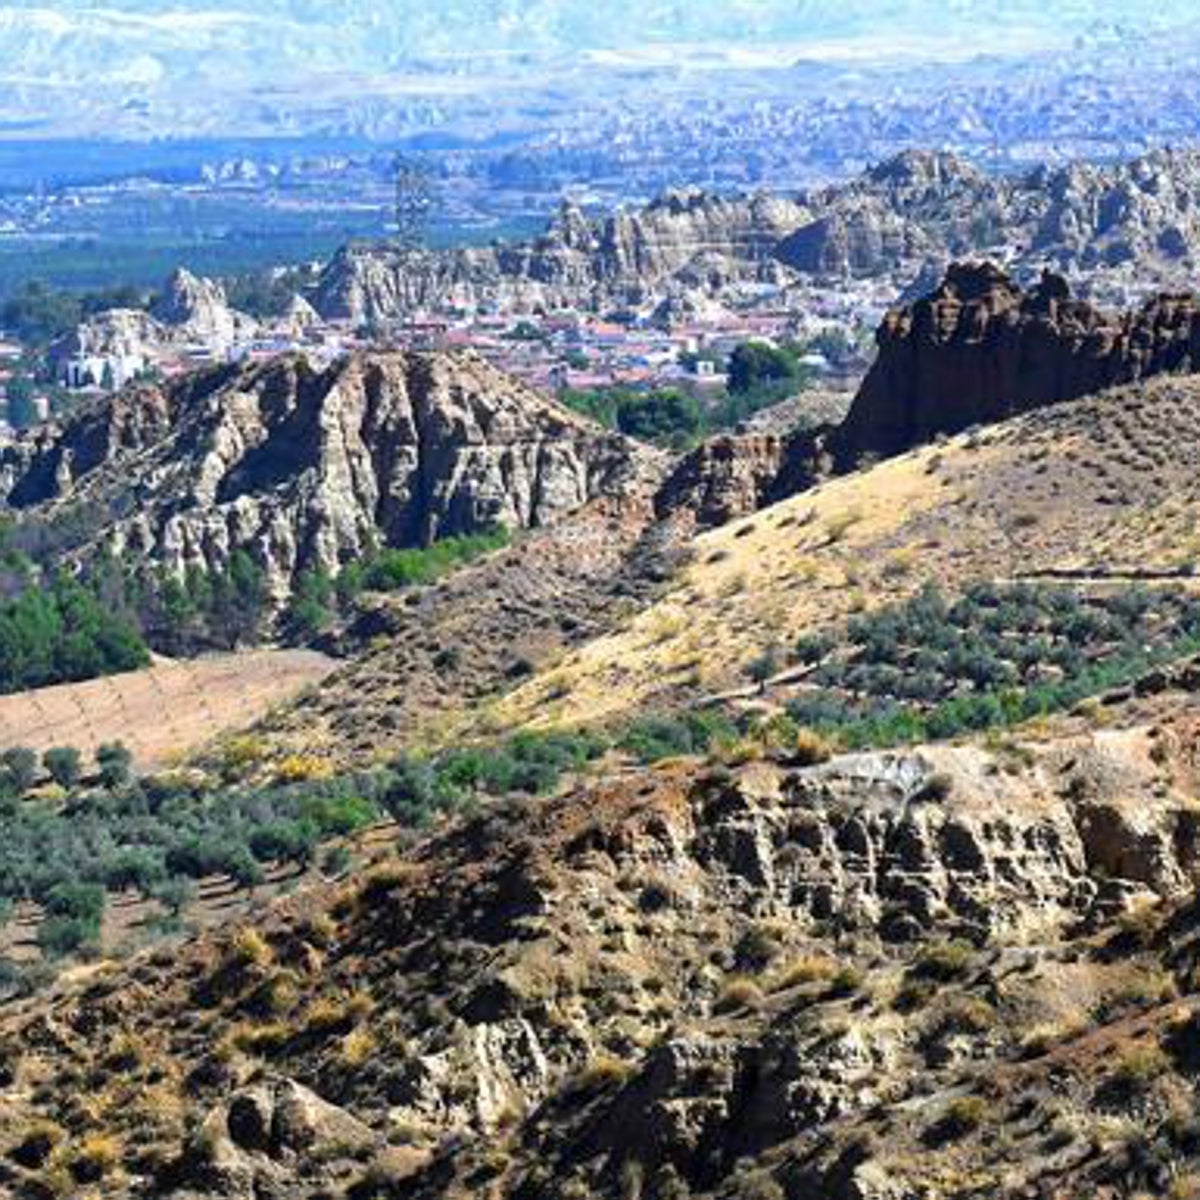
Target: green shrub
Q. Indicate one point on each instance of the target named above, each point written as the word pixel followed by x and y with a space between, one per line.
pixel 20 767
pixel 64 763
pixel 653 738
pixel 390 570
pixel 310 610
pixel 115 762
pixel 59 937
pixel 927 669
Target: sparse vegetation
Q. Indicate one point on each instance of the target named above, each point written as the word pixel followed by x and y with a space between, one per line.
pixel 931 668
pixel 389 570
pixel 962 1116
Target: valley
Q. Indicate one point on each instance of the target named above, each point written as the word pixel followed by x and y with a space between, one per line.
pixel 599 605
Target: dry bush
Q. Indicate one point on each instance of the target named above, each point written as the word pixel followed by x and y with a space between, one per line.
pixel 358 1046
pixel 962 1116
pixel 330 1013
pixel 320 930
pixel 34 1143
pixel 838 526
pixel 809 968
pixel 96 1157
pixel 1041 1039
pixel 250 949
pixel 301 768
pixel 811 749
pixel 964 1014
pixel 603 1072
pixel 1137 1069
pixel 943 961
pixel 738 994
pixel 263 1039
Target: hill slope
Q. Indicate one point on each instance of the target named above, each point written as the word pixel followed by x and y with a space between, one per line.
pixel 1102 487
pixel 884 976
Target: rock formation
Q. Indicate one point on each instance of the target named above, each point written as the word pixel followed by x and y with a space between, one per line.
pixel 197 310
pixel 190 311
pixel 684 243
pixel 1114 230
pixel 981 349
pixel 307 468
pixel 725 477
pixel 696 975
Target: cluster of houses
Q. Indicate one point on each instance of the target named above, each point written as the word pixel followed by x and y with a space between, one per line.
pixel 552 352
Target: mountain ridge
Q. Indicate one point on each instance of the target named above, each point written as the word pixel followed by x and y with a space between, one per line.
pixel 1115 231
pixel 305 468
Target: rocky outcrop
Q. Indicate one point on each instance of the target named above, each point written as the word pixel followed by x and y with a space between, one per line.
pixel 764 460
pixel 1114 230
pixel 977 350
pixel 197 310
pixel 724 478
pixel 685 243
pixel 307 468
pixel 699 979
pixel 190 311
pixel 119 333
pixel 249 1146
pixel 981 349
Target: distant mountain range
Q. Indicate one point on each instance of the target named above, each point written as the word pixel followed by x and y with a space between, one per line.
pixel 256 63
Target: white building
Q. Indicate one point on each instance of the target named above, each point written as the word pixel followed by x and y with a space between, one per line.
pixel 110 371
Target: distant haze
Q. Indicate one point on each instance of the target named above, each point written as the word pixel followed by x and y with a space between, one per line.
pixel 144 59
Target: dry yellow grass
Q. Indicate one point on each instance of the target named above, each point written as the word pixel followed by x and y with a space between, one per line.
pixel 787 574
pixel 983 505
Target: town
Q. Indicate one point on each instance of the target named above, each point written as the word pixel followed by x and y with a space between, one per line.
pixel 192 326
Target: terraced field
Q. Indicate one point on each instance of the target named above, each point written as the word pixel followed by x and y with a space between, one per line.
pixel 165 711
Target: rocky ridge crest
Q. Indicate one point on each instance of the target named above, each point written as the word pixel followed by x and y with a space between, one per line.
pixel 977 350
pixel 307 467
pixel 1115 230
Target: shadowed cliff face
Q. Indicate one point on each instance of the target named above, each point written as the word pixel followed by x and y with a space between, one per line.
pixel 980 349
pixel 306 468
pixel 977 350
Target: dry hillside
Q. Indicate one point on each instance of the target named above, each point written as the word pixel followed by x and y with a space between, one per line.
pixel 165 711
pixel 955 971
pixel 1104 487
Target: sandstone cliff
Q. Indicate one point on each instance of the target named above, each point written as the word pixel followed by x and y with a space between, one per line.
pixel 305 467
pixel 977 350
pixel 684 244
